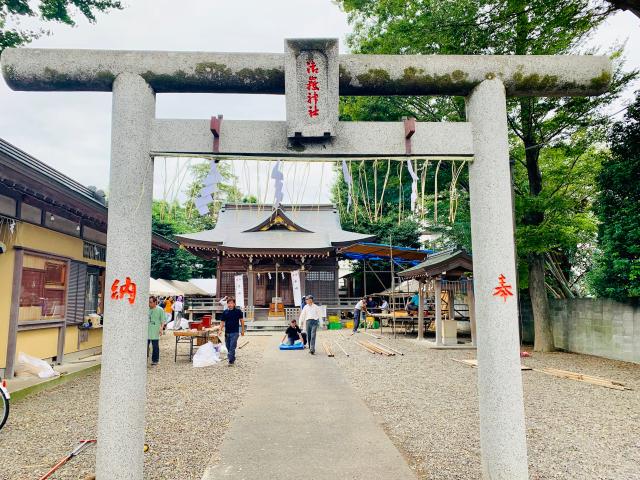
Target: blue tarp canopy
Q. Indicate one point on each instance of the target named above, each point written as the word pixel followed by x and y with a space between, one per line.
pixel 379 251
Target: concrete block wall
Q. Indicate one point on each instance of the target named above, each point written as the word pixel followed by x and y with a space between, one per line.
pixel 600 327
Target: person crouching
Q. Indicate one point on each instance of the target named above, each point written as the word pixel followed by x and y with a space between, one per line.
pixel 293 334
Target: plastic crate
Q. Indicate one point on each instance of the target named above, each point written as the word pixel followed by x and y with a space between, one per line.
pixel 348 324
pixel 335 326
pixel 333 319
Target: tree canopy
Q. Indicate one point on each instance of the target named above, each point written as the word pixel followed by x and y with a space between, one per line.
pixel 172 218
pixel 13 34
pixel 556 143
pixel 617 272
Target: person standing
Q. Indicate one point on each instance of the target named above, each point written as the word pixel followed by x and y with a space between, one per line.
pixel 157 319
pixel 178 306
pixel 385 306
pixel 360 307
pixel 232 323
pixel 309 321
pixel 168 308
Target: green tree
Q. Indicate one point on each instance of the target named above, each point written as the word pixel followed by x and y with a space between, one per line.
pixel 12 34
pixel 617 273
pixel 177 264
pixel 490 27
pixel 172 218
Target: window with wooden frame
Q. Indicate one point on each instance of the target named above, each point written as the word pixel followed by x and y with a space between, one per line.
pixel 43 290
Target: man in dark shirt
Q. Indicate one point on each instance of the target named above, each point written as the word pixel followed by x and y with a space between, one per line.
pixel 232 323
pixel 293 334
pixel 371 304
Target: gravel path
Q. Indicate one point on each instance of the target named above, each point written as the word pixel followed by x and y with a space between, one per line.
pixel 429 407
pixel 45 427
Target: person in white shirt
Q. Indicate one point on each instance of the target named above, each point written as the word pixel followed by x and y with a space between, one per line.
pixel 309 321
pixel 360 307
pixel 385 306
pixel 178 306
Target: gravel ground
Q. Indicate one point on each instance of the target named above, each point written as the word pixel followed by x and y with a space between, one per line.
pixel 429 407
pixel 45 427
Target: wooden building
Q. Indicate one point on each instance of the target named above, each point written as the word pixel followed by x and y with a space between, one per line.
pixel 52 260
pixel 444 280
pixel 265 245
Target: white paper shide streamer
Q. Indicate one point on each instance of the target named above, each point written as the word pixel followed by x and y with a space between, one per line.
pixel 278 178
pixel 209 189
pixel 414 185
pixel 349 181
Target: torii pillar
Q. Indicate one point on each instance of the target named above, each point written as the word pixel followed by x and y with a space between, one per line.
pixel 137 136
pixel 502 426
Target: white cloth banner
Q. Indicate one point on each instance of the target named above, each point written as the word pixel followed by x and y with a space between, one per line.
pixel 297 290
pixel 239 281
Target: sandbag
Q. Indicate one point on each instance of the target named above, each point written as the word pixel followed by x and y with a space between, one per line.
pixel 206 356
pixel 34 366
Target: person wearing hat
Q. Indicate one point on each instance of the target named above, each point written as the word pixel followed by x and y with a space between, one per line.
pixel 309 321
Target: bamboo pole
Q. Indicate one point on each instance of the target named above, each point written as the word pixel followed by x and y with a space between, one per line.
pixel 342 348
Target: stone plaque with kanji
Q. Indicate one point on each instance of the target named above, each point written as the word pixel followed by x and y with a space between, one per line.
pixel 311 87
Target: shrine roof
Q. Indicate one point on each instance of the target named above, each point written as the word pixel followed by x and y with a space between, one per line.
pixel 455 259
pixel 250 227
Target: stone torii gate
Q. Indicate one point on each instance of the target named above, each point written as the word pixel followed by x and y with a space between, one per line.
pixel 312 75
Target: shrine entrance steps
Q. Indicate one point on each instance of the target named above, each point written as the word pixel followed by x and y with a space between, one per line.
pixel 300 419
pixel 267 325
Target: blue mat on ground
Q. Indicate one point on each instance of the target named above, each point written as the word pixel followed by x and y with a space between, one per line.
pixel 296 346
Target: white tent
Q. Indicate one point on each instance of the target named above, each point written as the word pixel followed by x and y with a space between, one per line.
pixel 207 284
pixel 187 288
pixel 408 287
pixel 163 289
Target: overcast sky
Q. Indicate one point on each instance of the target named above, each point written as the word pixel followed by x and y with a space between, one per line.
pixel 71 131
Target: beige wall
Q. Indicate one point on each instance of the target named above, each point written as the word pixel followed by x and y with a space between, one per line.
pixel 71 339
pixel 6 279
pixel 42 342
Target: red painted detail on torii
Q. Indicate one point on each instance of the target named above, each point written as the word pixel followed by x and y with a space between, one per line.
pixel 312 89
pixel 503 289
pixel 216 124
pixel 409 130
pixel 118 292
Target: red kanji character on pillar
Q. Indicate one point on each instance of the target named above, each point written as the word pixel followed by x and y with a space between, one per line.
pixel 503 289
pixel 311 67
pixel 118 291
pixel 313 111
pixel 115 291
pixel 312 97
pixel 312 84
pixel 129 288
